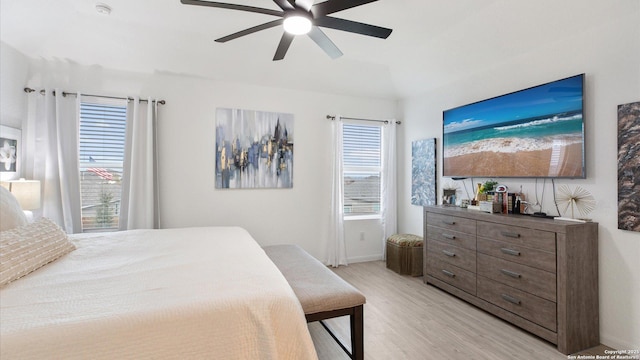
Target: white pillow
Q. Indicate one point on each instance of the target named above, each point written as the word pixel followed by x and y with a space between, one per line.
pixel 30 247
pixel 11 215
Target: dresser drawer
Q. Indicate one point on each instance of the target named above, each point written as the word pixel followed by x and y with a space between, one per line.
pixel 462 279
pixel 460 257
pixel 530 307
pixel 534 281
pixel 454 223
pixel 536 239
pixel 539 259
pixel 452 237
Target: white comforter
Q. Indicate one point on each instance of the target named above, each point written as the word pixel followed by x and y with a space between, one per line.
pixel 195 293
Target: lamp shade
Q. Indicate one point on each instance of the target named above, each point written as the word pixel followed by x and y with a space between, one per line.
pixel 27 192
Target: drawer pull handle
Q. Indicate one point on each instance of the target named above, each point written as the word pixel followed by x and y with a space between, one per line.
pixel 449 222
pixel 510 273
pixel 448 273
pixel 449 253
pixel 510 234
pixel 449 236
pixel 510 299
pixel 510 251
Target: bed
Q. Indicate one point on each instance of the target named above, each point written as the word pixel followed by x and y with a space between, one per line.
pixel 207 292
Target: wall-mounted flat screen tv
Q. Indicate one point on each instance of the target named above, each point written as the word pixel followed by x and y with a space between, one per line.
pixel 536 132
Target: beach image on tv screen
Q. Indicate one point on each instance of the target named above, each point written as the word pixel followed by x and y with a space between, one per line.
pixel 537 132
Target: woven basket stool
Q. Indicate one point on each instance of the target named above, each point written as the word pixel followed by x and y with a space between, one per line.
pixel 404 254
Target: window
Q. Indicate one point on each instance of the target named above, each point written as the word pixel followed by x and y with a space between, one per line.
pixel 362 149
pixel 102 140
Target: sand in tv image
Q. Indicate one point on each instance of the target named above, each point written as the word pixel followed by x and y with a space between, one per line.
pixel 537 132
pixel 254 149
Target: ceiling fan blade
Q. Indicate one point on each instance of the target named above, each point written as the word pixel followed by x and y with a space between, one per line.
pixel 284 4
pixel 285 42
pixel 250 30
pixel 331 6
pixel 305 4
pixel 353 26
pixel 233 7
pixel 324 42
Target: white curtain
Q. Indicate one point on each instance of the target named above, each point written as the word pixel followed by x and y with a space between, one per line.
pixel 389 186
pixel 51 147
pixel 139 206
pixel 336 247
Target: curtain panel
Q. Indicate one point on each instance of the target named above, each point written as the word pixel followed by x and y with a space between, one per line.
pixel 336 247
pixel 51 156
pixel 389 207
pixel 139 207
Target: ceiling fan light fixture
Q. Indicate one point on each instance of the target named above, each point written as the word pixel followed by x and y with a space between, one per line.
pixel 297 24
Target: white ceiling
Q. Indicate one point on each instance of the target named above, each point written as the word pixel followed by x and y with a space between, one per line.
pixel 433 41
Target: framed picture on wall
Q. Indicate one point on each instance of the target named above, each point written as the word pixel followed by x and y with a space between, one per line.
pixel 423 172
pixel 10 152
pixel 629 166
pixel 254 149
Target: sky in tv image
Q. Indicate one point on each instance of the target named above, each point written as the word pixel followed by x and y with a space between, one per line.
pixel 563 96
pixel 542 124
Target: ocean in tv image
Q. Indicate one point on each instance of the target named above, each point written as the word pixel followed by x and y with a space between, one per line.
pixel 537 132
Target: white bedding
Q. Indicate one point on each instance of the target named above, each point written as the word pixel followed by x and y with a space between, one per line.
pixel 205 293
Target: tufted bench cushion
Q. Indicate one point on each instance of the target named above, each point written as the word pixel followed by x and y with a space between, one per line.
pixel 404 254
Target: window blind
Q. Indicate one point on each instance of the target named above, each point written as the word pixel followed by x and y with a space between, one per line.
pixel 362 169
pixel 102 141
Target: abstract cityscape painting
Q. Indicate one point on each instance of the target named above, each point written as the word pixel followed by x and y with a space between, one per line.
pixel 423 172
pixel 629 166
pixel 254 149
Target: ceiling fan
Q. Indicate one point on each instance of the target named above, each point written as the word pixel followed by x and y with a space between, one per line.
pixel 299 17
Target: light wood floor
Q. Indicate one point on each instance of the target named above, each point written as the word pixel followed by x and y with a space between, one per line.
pixel 406 319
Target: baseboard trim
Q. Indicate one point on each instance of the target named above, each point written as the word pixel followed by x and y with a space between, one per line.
pixel 615 343
pixel 365 258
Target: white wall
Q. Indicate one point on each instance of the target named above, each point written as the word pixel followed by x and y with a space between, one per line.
pixel 609 54
pixel 14 70
pixel 187 153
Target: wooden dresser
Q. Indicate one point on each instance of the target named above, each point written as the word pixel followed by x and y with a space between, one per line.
pixel 539 274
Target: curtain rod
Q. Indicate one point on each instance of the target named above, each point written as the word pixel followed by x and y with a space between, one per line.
pixel 64 93
pixel 332 117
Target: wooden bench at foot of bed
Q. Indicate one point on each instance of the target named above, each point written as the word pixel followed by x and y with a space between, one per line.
pixel 322 293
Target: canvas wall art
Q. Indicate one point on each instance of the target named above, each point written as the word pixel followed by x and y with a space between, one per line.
pixel 254 149
pixel 423 172
pixel 10 152
pixel 629 166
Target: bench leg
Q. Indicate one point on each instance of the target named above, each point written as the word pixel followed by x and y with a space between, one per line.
pixel 357 334
pixel 356 322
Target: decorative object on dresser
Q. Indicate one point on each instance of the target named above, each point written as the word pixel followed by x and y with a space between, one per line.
pixel 628 166
pixel 449 191
pixel 579 198
pixel 539 274
pixel 423 172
